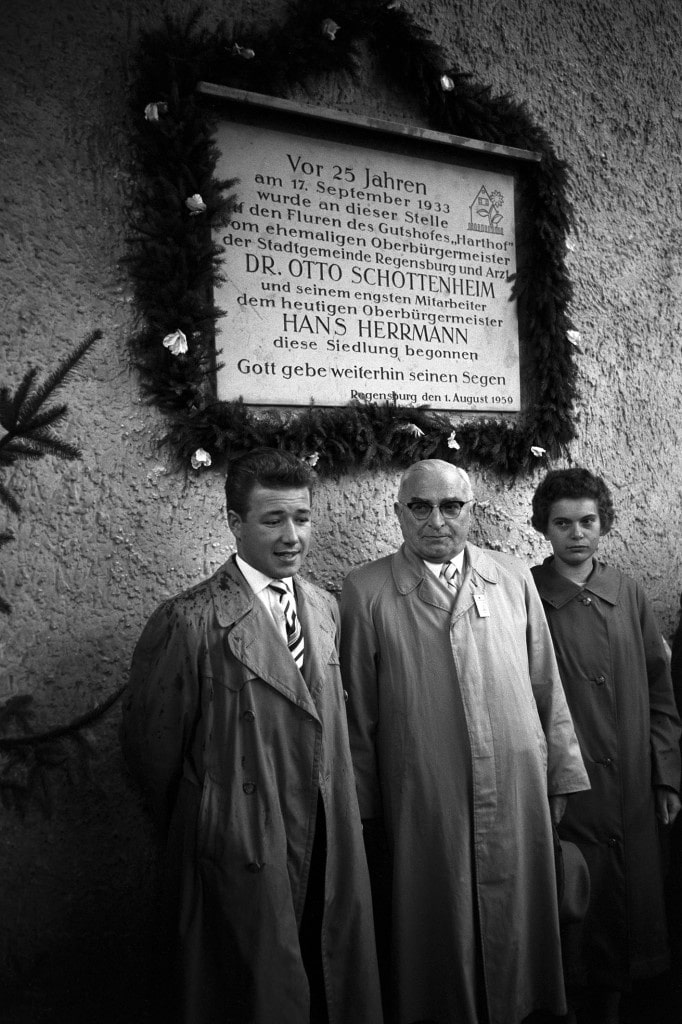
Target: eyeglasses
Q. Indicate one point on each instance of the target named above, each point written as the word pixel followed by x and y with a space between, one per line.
pixel 450 509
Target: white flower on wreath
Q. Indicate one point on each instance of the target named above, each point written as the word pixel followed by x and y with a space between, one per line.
pixel 153 111
pixel 245 52
pixel 176 343
pixel 452 441
pixel 412 428
pixel 200 458
pixel 329 29
pixel 573 337
pixel 537 451
pixel 312 459
pixel 195 204
pixel 446 83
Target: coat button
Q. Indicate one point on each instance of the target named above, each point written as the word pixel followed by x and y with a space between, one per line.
pixel 249 715
pixel 612 841
pixel 586 600
pixel 249 788
pixel 345 694
pixel 606 761
pixel 254 867
pixel 600 680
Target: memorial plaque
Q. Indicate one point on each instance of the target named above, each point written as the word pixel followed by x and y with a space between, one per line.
pixel 355 269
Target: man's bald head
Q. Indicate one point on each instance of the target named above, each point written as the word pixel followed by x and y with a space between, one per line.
pixel 434 509
pixel 430 471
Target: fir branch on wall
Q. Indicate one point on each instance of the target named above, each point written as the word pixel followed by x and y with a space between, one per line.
pixel 30 761
pixel 173 261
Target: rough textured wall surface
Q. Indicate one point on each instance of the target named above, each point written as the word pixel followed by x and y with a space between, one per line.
pixel 101 541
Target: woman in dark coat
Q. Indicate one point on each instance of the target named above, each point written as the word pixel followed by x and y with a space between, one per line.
pixel 617 680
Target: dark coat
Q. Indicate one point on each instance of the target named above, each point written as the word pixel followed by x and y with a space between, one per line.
pixel 459 731
pixel 674 880
pixel 615 673
pixel 231 745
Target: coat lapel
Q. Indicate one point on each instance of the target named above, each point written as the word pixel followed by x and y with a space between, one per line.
pixel 480 571
pixel 254 639
pixel 319 630
pixel 411 573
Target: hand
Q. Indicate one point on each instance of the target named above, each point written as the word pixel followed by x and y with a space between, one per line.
pixel 668 805
pixel 557 806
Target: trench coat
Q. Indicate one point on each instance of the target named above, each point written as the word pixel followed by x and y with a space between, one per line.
pixel 231 745
pixel 617 681
pixel 459 732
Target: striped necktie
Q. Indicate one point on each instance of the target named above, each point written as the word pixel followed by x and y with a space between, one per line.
pixel 295 640
pixel 450 576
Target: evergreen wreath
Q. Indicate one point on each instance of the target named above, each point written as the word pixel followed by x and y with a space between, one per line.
pixel 173 260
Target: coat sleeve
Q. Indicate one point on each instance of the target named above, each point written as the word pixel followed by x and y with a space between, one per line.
pixel 676 667
pixel 359 658
pixel 565 768
pixel 160 707
pixel 664 719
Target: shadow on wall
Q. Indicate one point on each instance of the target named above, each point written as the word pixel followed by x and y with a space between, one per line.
pixel 90 876
pixel 80 927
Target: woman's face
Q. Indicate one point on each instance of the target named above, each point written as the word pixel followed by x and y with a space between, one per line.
pixel 573 530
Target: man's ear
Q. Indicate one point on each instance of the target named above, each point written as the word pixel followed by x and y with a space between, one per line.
pixel 234 521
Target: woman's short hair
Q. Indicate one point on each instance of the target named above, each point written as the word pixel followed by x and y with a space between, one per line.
pixel 265 467
pixel 571 483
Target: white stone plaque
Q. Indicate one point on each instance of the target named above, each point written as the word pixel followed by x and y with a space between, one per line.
pixel 353 272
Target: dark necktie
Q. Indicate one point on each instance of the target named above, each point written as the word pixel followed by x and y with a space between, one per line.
pixel 295 640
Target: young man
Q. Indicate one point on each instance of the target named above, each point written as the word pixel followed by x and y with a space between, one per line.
pixel 234 725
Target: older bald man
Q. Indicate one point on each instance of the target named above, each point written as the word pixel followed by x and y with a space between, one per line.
pixel 464 752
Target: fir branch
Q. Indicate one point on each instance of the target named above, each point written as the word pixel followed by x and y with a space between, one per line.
pixel 8 499
pixel 28 762
pixel 17 709
pixel 29 427
pixel 56 378
pixel 76 725
pixel 10 406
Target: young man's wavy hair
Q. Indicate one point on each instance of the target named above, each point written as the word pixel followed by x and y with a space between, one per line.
pixel 264 467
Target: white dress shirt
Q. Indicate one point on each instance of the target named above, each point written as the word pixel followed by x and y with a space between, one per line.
pixel 458 561
pixel 260 584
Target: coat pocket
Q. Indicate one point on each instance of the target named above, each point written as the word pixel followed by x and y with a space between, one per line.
pixel 230 832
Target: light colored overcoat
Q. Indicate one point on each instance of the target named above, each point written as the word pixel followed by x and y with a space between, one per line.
pixel 459 732
pixel 231 745
pixel 617 681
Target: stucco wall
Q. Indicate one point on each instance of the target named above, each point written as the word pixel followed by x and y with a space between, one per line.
pixel 101 541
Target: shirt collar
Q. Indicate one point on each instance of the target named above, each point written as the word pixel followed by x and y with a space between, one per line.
pixel 437 567
pixel 256 579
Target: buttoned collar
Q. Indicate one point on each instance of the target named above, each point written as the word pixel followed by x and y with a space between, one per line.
pixel 557 590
